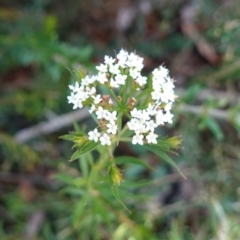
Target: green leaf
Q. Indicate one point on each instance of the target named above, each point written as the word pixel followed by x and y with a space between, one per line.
pixel 143 93
pixel 76 126
pixel 115 193
pixel 139 183
pixel 191 92
pixel 83 164
pixel 71 136
pixel 214 127
pixel 64 178
pixel 236 124
pixel 87 147
pixel 133 160
pixel 79 209
pixel 167 144
pixel 127 133
pixel 68 137
pixel 158 151
pixel 73 191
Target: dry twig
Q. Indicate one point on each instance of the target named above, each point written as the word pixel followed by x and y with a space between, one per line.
pixel 56 123
pixel 50 126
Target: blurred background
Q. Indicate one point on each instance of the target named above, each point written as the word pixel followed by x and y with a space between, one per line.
pixel 42 194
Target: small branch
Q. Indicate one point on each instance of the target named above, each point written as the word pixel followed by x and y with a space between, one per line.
pixel 37 181
pixel 56 123
pixel 34 224
pixel 205 94
pixel 215 113
pixel 50 126
pixel 189 28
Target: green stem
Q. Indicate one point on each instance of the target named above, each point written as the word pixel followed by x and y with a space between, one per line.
pixel 125 139
pixel 127 86
pixel 119 124
pixel 125 128
pixel 114 96
pixel 143 93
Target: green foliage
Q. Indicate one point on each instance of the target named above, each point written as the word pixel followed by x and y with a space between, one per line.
pixel 17 152
pixel 36 53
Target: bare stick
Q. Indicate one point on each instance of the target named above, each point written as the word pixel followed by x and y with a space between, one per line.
pixel 231 98
pixel 50 126
pixel 56 123
pixel 216 113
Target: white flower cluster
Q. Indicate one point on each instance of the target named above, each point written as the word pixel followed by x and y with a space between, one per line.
pixel 117 73
pixel 144 121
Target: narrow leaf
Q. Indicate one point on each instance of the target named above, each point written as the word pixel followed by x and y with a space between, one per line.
pixel 64 178
pixel 115 193
pixel 133 160
pixel 214 127
pixel 68 137
pixel 158 151
pixel 87 147
pixel 71 136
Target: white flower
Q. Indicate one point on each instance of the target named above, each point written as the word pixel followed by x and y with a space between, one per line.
pixel 102 78
pixel 134 73
pixel 86 81
pixel 141 80
pixel 113 73
pixel 71 98
pixel 169 86
pixel 101 113
pixel 152 138
pixel 144 115
pixel 110 101
pixel 134 61
pixel 97 99
pixel 168 96
pixel 111 116
pixel 160 118
pixel 155 95
pixel 135 113
pixel 92 109
pixel 164 71
pixel 141 128
pixel 151 125
pixel 112 127
pixel 120 79
pixel 91 90
pixel 74 88
pixel 102 68
pixel 105 139
pixel 92 79
pixel 77 104
pixel 138 138
pixel 122 58
pixel 167 117
pixel 109 60
pixel 94 135
pixel 83 95
pixel 113 83
pixel 132 124
pixel 114 69
pixel 168 106
pixel 152 109
pixel 158 83
pixel 160 72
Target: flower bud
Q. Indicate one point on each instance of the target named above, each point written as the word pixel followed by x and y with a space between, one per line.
pixel 131 103
pixel 174 142
pixel 102 124
pixel 119 98
pixel 79 140
pixel 115 175
pixel 106 98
